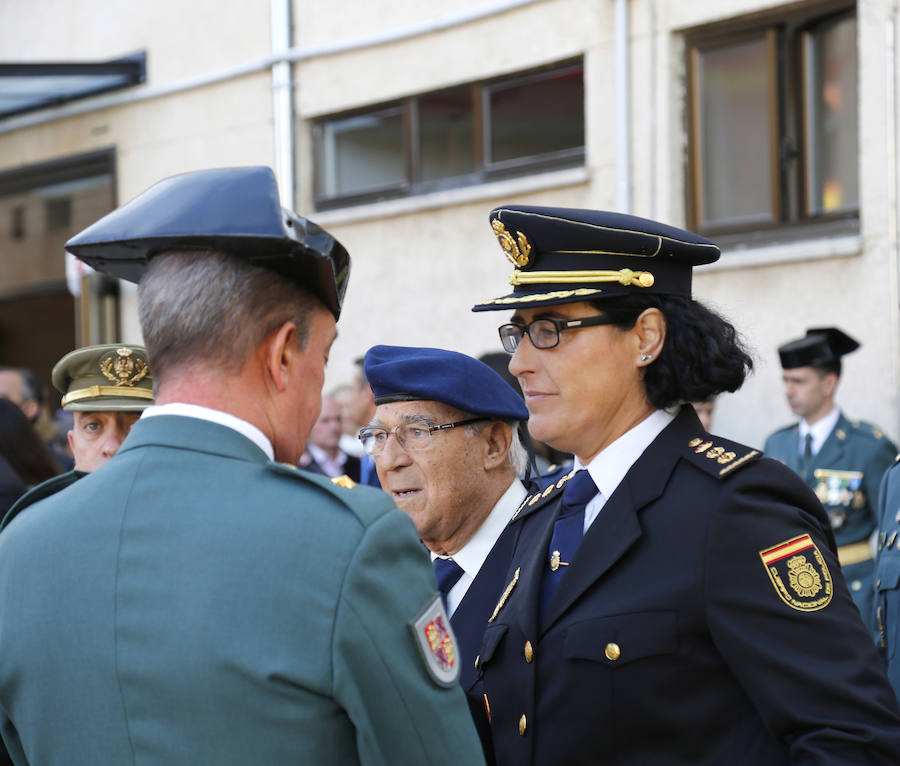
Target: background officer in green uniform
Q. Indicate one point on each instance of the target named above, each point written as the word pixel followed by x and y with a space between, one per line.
pixel 842 460
pixel 887 575
pixel 199 600
pixel 106 388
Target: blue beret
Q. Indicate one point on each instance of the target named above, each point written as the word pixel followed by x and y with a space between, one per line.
pixel 567 255
pixel 403 373
pixel 231 209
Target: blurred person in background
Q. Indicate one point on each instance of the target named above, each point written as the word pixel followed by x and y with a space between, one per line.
pixel 24 459
pixel 842 460
pixel 25 389
pixel 323 449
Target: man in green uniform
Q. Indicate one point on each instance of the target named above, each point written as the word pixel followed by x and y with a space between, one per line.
pixel 199 600
pixel 842 460
pixel 106 388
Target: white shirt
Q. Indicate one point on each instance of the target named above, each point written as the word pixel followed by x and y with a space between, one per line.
pixel 819 430
pixel 609 467
pixel 472 555
pixel 331 466
pixel 214 416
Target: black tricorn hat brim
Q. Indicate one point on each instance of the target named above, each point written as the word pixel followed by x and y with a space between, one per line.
pixel 236 210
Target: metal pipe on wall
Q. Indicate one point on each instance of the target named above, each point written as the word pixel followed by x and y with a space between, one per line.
pixel 283 102
pixel 623 110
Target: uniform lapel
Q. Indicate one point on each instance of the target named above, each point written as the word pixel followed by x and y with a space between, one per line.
pixel 618 527
pixel 471 616
pixel 832 451
pixel 793 451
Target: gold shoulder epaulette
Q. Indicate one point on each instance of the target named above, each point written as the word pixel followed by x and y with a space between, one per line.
pixel 547 493
pixel 718 456
pixel 344 481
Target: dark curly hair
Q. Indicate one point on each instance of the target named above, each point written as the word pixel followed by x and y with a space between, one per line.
pixel 702 356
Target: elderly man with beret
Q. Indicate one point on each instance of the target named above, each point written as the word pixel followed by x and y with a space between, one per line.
pixel 199 600
pixel 449 443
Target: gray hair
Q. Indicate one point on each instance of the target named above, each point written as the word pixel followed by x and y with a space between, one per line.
pixel 516 455
pixel 213 308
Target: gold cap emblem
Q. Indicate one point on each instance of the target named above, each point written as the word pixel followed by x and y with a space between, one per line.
pixel 123 368
pixel 517 252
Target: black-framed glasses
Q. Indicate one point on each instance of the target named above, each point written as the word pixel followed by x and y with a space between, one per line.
pixel 411 436
pixel 544 333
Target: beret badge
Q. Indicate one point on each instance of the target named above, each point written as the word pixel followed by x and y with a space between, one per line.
pixel 517 251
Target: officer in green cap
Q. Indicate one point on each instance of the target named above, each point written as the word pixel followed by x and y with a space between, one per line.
pixel 105 388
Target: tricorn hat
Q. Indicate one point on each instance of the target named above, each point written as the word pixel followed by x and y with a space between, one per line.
pixel 820 345
pixel 232 209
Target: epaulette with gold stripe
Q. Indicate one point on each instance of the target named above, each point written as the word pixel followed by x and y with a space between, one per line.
pixel 537 499
pixel 719 457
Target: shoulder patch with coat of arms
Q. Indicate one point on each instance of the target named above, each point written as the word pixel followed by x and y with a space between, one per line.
pixel 799 574
pixel 436 643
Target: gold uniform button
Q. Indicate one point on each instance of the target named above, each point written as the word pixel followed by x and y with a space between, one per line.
pixel 522 725
pixel 529 652
pixel 477 661
pixel 612 652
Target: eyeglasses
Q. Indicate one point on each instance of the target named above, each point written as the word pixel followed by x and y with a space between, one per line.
pixel 411 436
pixel 544 333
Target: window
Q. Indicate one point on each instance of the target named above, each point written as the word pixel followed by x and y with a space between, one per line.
pixel 772 124
pixel 462 135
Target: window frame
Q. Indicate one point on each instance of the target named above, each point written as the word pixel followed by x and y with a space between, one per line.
pixel 787 36
pixel 484 170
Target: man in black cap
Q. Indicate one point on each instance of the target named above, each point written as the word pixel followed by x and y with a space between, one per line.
pixel 453 467
pixel 676 600
pixel 842 460
pixel 199 599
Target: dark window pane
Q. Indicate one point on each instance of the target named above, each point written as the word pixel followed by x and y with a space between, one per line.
pixel 831 117
pixel 445 134
pixel 537 116
pixel 59 213
pixel 734 137
pixel 361 153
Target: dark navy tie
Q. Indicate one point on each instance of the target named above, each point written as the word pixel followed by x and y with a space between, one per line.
pixel 567 532
pixel 448 573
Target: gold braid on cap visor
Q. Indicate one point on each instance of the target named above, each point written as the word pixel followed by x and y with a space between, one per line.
pixel 93 392
pixel 623 276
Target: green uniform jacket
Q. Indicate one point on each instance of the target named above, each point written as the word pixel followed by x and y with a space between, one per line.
pixel 193 603
pixel 845 475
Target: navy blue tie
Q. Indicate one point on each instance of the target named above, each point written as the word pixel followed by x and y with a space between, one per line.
pixel 567 532
pixel 448 573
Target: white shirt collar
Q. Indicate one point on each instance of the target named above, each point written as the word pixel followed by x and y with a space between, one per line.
pixel 609 467
pixel 214 416
pixel 472 555
pixel 819 430
pixel 332 466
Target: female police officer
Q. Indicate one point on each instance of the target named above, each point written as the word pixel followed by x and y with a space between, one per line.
pixel 677 598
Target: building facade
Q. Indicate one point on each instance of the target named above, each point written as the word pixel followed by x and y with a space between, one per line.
pixel 768 126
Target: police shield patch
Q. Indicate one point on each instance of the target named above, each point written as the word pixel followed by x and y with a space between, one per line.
pixel 799 574
pixel 436 642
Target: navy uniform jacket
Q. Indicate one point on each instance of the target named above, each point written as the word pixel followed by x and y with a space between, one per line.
pixel 887 576
pixel 469 621
pixel 193 603
pixel 845 475
pixel 702 621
